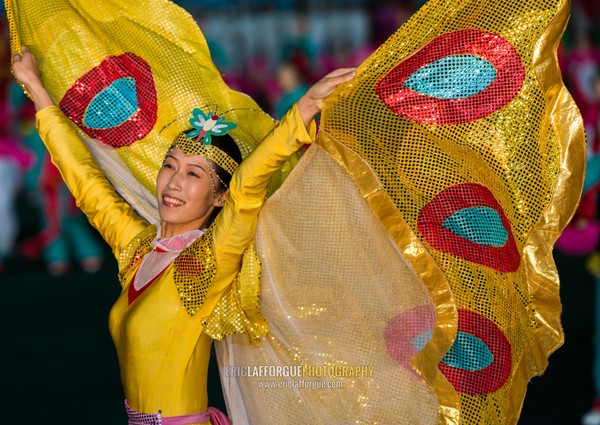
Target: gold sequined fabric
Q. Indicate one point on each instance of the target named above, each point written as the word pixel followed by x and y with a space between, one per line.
pixel 131 257
pixel 194 272
pixel 416 238
pixel 238 311
pixel 462 140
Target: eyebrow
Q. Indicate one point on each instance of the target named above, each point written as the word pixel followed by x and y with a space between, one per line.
pixel 198 166
pixel 190 163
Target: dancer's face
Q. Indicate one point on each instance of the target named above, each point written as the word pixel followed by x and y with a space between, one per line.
pixel 185 191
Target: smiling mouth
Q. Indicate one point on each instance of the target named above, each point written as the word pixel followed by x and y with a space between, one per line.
pixel 172 202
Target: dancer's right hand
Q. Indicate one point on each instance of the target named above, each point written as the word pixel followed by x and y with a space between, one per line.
pixel 27 74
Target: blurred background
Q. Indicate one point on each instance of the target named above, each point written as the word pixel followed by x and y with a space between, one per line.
pixel 58 279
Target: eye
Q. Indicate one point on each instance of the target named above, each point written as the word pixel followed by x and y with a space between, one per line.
pixel 168 166
pixel 193 174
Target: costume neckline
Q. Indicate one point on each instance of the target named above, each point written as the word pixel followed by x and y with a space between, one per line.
pixel 176 243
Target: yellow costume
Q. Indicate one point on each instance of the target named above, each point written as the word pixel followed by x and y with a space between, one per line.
pixel 162 350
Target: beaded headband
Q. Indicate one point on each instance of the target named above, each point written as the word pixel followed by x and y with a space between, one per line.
pixel 198 141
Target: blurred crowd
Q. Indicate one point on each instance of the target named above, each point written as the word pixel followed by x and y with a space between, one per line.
pixel 579 58
pixel 61 236
pixel 274 55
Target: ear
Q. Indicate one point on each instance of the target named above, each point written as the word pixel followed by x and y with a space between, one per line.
pixel 219 200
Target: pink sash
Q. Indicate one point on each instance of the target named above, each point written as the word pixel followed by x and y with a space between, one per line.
pixel 214 415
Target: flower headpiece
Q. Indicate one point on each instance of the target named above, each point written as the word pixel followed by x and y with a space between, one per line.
pixel 206 125
pixel 199 140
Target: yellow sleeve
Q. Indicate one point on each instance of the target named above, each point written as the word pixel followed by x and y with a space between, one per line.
pixel 116 221
pixel 236 224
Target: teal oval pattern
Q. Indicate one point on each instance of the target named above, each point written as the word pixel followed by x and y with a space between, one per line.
pixel 113 105
pixel 453 77
pixel 480 225
pixel 468 353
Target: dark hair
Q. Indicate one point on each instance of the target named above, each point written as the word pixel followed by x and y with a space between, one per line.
pixel 227 145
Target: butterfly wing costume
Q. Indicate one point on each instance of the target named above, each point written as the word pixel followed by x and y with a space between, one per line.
pixel 407 270
pixel 465 145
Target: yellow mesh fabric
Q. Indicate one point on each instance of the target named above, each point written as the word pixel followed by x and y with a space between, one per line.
pixel 130 73
pixel 463 117
pixel 338 293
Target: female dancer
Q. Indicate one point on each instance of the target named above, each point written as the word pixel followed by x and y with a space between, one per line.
pixel 162 350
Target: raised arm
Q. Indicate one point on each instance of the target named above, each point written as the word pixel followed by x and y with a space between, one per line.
pixel 237 221
pixel 116 221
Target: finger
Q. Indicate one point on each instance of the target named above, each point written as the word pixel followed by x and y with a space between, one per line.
pixel 340 71
pixel 343 78
pixel 16 56
pixel 24 49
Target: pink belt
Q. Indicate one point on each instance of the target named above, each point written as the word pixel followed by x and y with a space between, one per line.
pixel 215 416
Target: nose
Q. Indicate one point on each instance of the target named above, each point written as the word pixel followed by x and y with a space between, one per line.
pixel 174 182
